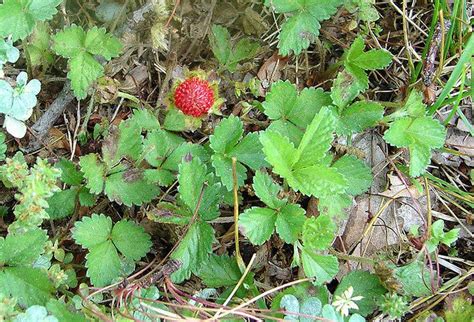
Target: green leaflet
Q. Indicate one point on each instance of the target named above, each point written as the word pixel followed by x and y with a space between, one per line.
pixel 195 181
pixel 193 250
pixel 219 271
pixel 18 18
pixel 227 142
pixel 364 284
pixel 322 267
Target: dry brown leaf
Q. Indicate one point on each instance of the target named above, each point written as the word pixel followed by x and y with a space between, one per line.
pixel 398 189
pixel 271 71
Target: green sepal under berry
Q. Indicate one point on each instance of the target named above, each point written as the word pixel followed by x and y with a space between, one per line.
pixel 176 120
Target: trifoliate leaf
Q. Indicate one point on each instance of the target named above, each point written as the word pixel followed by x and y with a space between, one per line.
pixel 267 190
pixel 358 117
pixel 303 27
pixel 227 142
pixel 22 249
pixel 366 285
pixel 18 17
pixel 103 264
pixel 130 187
pixel 351 81
pixel 62 203
pixel 227 55
pixel 322 267
pixel 30 286
pixel 193 250
pixel 97 235
pixel 292 112
pixel 438 236
pixel 289 222
pixel 370 60
pixel 69 173
pixel 92 231
pixel 131 239
pixel 318 233
pixel 356 172
pixel 420 135
pixel 219 271
pixel 94 172
pixel 17 103
pixel 80 47
pixel 258 224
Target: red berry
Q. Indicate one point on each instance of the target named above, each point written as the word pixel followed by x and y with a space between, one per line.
pixel 194 97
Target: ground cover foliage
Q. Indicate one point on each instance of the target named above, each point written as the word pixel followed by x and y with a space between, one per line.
pixel 315 165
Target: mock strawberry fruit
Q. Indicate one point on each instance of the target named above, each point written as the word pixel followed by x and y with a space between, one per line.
pixel 194 97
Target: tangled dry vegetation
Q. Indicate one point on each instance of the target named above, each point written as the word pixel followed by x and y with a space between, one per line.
pixel 402 246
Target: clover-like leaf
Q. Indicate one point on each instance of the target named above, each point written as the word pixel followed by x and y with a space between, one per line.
pixel 304 24
pixel 80 47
